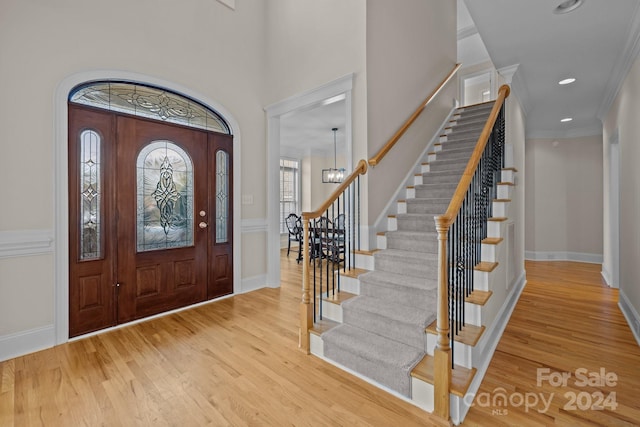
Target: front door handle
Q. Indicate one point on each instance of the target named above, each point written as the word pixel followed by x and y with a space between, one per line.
pixel 203 225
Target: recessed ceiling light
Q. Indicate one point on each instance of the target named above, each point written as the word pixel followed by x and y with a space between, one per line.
pixel 567 6
pixel 566 119
pixel 566 81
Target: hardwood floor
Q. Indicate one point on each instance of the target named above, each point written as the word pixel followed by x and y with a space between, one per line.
pixel 566 322
pixel 236 362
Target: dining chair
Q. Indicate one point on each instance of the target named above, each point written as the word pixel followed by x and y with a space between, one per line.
pixel 294 226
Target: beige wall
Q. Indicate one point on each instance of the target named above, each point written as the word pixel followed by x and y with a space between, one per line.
pixel 311 43
pixel 623 118
pixel 200 45
pixel 564 197
pixel 410 49
pixel 515 140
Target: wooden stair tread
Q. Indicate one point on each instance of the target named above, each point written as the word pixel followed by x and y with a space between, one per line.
pixel 363 252
pixel 492 240
pixel 507 183
pixel 461 377
pixel 354 272
pixel 479 297
pixel 510 169
pixel 497 219
pixel 402 201
pixel 486 266
pixel 337 297
pixel 381 233
pixel 468 335
pixel 501 200
pixel 322 326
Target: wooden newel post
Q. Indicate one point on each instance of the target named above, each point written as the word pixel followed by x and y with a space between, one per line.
pixel 306 308
pixel 442 352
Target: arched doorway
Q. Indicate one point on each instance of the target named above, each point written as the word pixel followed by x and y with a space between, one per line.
pixel 150 203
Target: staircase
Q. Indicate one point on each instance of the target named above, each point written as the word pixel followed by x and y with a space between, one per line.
pixel 382 323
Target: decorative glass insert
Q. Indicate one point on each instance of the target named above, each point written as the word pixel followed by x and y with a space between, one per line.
pixel 151 102
pixel 90 195
pixel 165 197
pixel 222 196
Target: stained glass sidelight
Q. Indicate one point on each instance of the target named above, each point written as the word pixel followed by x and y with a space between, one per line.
pixel 151 102
pixel 222 197
pixel 165 197
pixel 90 197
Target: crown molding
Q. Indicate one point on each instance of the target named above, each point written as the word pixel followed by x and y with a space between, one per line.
pixel 622 67
pixel 590 130
pixel 465 32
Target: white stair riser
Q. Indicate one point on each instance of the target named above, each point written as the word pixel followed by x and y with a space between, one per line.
pixel 392 223
pixel 481 280
pixel 462 353
pixel 366 262
pixel 504 191
pixel 508 176
pixel 495 229
pixel 488 253
pixel 424 168
pixel 332 311
pixel 422 394
pixel 350 285
pixel 316 345
pixel 501 209
pixel 382 242
pixel 431 158
pixel 417 179
pixel 443 138
pixel 411 193
pixel 473 314
pixel 437 147
pixel 402 207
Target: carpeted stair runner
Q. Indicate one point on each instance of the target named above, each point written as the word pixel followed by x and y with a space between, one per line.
pixel 383 332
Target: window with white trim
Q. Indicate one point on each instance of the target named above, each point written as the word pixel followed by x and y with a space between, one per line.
pixel 289 190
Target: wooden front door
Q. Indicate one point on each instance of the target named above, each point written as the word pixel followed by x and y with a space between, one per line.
pixel 162 196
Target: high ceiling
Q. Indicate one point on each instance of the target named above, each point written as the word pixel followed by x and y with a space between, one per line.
pixel 594 43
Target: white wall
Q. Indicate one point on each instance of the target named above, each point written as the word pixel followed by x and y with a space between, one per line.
pixel 199 45
pixel 410 49
pixel 623 118
pixel 564 199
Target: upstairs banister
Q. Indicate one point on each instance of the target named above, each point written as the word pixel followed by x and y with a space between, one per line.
pixel 461 190
pixel 394 139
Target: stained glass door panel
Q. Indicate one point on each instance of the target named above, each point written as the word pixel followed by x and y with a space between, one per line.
pixel 161 184
pixel 221 250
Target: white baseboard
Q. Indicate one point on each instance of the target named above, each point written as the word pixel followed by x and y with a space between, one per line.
pixel 563 256
pixel 492 340
pixel 25 342
pixel 630 313
pixel 606 276
pixel 253 283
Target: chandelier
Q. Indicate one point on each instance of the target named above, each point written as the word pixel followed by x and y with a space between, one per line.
pixel 333 175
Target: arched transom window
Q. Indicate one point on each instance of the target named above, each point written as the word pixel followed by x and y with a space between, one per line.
pixel 151 102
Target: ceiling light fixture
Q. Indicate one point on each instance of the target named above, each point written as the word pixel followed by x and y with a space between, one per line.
pixel 566 81
pixel 333 175
pixel 567 6
pixel 566 119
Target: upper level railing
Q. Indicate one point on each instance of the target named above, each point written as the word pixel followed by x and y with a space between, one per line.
pixel 461 230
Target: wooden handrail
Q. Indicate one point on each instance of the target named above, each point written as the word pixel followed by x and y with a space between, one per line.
pixel 389 145
pixel 461 190
pixel 361 169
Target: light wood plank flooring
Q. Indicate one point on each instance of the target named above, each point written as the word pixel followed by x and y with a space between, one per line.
pixel 235 362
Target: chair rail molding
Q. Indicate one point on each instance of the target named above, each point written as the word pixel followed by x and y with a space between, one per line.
pixel 18 243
